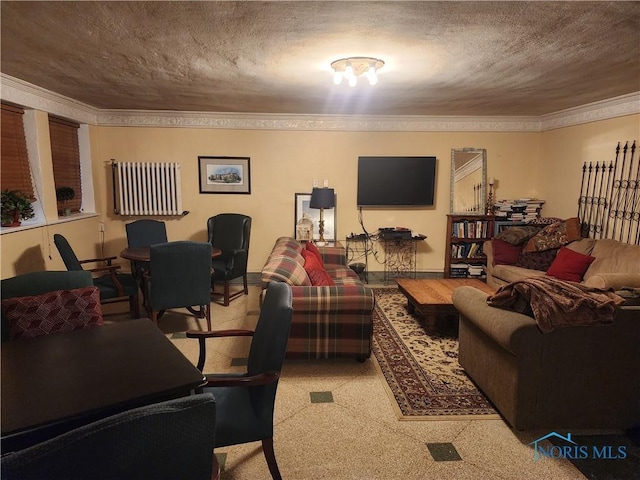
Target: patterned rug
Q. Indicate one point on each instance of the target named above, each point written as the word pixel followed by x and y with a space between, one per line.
pixel 425 380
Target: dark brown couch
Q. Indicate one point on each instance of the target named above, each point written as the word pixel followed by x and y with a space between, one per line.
pixel 571 378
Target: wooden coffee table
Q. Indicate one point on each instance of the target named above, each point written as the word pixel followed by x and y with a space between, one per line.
pixel 430 297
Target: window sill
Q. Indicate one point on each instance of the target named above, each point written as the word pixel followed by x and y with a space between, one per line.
pixel 28 226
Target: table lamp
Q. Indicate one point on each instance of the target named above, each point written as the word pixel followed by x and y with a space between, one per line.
pixel 322 198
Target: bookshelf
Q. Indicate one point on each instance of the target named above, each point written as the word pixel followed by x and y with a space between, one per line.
pixel 466 234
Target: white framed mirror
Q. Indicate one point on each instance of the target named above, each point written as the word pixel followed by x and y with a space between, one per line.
pixel 468 181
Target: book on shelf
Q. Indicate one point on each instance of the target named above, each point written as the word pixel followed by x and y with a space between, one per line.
pixel 470 229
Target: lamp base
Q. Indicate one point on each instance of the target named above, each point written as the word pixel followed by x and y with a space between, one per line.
pixel 320 243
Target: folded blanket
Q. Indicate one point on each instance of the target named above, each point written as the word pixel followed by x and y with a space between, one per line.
pixel 558 303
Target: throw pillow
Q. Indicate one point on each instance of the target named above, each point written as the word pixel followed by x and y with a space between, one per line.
pixel 570 265
pixel 518 235
pixel 52 312
pixel 537 260
pixel 316 272
pixel 504 253
pixel 311 247
pixel 554 236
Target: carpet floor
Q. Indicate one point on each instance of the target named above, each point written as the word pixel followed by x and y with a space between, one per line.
pixel 421 368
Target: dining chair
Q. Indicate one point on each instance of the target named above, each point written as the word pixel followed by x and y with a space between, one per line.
pixel 230 233
pixel 245 402
pixel 114 286
pixel 142 233
pixel 179 277
pixel 161 441
pixel 38 283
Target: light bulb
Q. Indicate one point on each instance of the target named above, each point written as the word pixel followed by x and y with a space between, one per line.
pixel 353 81
pixel 371 75
pixel 348 71
pixel 337 78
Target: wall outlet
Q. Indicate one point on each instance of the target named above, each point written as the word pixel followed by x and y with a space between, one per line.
pixel 101 227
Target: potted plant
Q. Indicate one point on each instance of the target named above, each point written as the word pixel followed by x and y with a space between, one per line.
pixel 63 195
pixel 16 206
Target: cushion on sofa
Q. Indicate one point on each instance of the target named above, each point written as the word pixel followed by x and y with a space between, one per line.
pixel 583 246
pixel 283 268
pixel 554 236
pixel 315 270
pixel 537 260
pixel 518 235
pixel 569 265
pixel 52 312
pixel 614 257
pixel 505 253
pixel 513 273
pixel 311 247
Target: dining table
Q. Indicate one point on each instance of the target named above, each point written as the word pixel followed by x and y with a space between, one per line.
pixel 143 254
pixel 54 383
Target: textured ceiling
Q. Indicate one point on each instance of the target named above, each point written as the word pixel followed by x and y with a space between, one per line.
pixel 442 58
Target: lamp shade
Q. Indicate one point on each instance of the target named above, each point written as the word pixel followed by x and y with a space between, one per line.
pixel 322 198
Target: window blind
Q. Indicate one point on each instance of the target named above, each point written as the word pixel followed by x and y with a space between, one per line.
pixel 65 154
pixel 14 161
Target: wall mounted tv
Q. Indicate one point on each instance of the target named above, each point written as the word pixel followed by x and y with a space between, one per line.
pixel 396 181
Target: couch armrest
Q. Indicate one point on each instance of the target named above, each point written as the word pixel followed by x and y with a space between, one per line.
pixel 487 249
pixel 332 299
pixel 616 281
pixel 514 331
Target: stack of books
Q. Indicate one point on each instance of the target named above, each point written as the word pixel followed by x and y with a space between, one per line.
pixel 459 270
pixel 477 271
pixel 518 210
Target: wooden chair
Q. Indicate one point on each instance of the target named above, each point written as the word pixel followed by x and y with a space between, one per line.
pixel 245 402
pixel 230 233
pixel 114 286
pixel 179 277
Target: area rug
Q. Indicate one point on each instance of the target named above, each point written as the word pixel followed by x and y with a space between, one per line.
pixel 424 379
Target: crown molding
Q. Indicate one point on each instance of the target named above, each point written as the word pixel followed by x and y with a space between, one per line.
pixel 242 121
pixel 592 112
pixel 31 96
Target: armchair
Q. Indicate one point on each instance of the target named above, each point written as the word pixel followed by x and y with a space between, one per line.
pixel 166 440
pixel 230 233
pixel 114 287
pixel 245 403
pixel 180 277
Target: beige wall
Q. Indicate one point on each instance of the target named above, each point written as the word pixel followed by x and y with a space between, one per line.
pixel 286 162
pixel 564 151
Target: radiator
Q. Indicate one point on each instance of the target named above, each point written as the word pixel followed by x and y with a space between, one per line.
pixel 145 188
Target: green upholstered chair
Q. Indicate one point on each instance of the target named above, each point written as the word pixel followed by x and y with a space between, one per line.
pixel 179 277
pixel 162 441
pixel 230 233
pixel 245 402
pixel 37 283
pixel 143 233
pixel 114 286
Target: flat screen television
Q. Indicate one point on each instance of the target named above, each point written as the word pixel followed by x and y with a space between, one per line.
pixel 396 181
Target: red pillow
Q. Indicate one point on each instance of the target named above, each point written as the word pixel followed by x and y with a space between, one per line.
pixel 52 312
pixel 311 247
pixel 315 270
pixel 570 265
pixel 504 253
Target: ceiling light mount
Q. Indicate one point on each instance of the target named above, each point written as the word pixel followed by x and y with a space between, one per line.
pixel 352 67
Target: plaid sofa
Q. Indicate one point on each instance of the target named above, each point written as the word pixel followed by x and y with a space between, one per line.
pixel 328 321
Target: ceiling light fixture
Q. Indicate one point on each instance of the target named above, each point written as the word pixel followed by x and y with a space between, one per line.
pixel 353 67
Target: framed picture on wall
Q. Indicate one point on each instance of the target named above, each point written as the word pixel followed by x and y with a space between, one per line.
pixel 224 174
pixel 329 215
